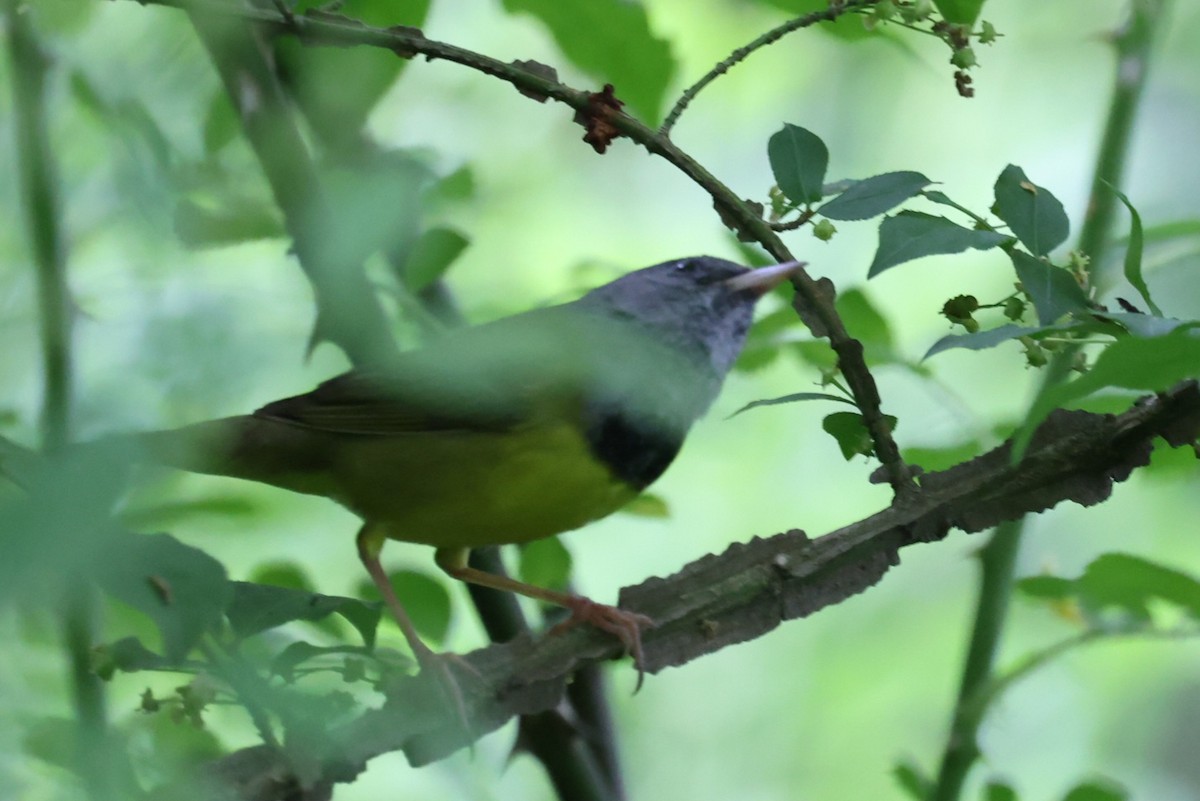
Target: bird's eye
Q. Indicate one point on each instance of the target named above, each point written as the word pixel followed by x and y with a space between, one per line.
pixel 686 266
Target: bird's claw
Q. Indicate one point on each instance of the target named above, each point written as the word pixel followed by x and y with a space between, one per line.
pixel 624 625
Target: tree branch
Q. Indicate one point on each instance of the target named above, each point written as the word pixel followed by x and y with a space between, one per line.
pixel 748 590
pixel 814 301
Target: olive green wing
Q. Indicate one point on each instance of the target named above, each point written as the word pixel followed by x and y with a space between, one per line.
pixel 493 377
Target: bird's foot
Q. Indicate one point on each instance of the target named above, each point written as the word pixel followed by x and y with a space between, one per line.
pixel 625 626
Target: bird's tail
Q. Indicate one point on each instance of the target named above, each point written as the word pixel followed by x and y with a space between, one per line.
pixel 240 447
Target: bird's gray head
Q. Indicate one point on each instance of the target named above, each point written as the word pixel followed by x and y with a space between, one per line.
pixel 702 305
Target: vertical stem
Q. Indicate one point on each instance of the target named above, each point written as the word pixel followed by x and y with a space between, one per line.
pixel 38 187
pixel 102 773
pixel 1133 43
pixel 997 562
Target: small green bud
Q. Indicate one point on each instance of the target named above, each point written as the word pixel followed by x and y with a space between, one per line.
pixel 916 11
pixel 884 10
pixel 960 308
pixel 1014 308
pixel 987 33
pixel 824 230
pixel 964 58
pixel 1035 355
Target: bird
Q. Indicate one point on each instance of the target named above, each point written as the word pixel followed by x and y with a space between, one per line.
pixel 506 432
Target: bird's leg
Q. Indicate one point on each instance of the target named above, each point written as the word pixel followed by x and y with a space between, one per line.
pixel 370 543
pixel 625 626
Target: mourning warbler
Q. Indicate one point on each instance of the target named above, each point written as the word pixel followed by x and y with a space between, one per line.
pixel 507 432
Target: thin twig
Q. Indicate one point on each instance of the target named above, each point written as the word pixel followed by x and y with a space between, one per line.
pixel 834 11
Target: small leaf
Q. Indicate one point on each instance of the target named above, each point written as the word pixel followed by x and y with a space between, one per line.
pixel 1143 325
pixel 1053 290
pixel 545 563
pixel 1130 583
pixel 648 505
pixel 181 588
pixel 1133 254
pixel 998 791
pixel 432 255
pixel 794 398
pixel 936 459
pixel 959 12
pixel 866 324
pixel 1147 365
pixel 613 41
pixel 54 741
pixel 258 607
pixel 1097 791
pixel 283 574
pixel 798 160
pixel 230 220
pixel 873 196
pixel 423 596
pixel 989 339
pixel 1035 216
pixel 221 124
pixel 912 234
pixel 912 781
pixel 1053 588
pixel 850 431
pixel 299 652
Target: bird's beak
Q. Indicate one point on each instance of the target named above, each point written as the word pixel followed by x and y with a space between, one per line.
pixel 761 281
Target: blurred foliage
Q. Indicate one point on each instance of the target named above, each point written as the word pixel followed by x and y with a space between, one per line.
pixel 160 183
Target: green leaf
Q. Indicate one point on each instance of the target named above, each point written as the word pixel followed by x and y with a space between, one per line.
pixel 1053 290
pixel 283 574
pixel 648 505
pixel 127 655
pixel 612 41
pixel 258 607
pixel 1148 365
pixel 795 398
pixel 798 160
pixel 1035 215
pixel 848 27
pixel 1052 588
pixel 54 741
pixel 873 196
pixel 983 340
pixel 423 596
pixel 963 12
pixel 934 459
pixel 866 324
pixel 545 563
pixel 850 431
pixel 229 220
pixel 299 652
pixel 221 124
pixel 1143 325
pixel 338 87
pixel 1133 254
pixel 912 781
pixel 168 513
pixel 181 588
pixel 1131 583
pixel 432 255
pixel 1097 791
pixel 912 234
pixel 998 791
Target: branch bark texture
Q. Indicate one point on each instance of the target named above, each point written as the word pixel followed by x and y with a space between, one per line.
pixel 752 587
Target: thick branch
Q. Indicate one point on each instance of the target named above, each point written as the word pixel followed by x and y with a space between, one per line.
pixel 752 587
